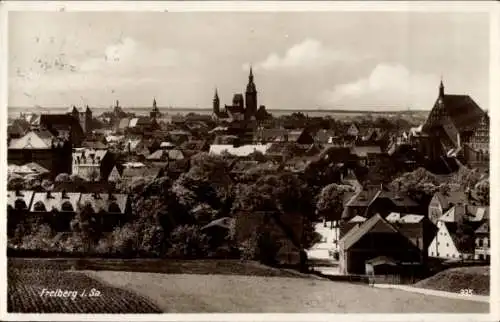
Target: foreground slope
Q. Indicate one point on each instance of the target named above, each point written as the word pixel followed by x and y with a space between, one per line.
pixel 192 293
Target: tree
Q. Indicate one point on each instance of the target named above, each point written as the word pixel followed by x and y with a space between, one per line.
pixel 63 177
pixel 465 234
pixel 482 190
pixel 188 242
pixel 330 201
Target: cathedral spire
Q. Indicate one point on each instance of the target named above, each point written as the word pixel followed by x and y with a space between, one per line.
pixel 216 95
pixel 250 76
pixel 154 102
pixel 441 88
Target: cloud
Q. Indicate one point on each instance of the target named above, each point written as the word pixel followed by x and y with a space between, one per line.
pixel 310 53
pixel 390 84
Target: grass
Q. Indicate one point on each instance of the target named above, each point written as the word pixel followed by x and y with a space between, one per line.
pixel 25 288
pixel 475 278
pixel 194 293
pixel 166 266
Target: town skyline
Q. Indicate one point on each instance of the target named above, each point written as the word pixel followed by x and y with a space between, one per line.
pixel 358 61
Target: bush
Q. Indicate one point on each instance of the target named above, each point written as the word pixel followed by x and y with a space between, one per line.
pixel 188 242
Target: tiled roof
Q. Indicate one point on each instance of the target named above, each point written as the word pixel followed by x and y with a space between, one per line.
pixel 33 140
pixel 88 156
pixel 124 123
pixel 357 219
pixel 240 151
pixel 24 195
pixel 55 200
pixel 483 229
pixel 110 203
pixel 393 217
pixel 411 219
pixel 225 222
pixel 363 151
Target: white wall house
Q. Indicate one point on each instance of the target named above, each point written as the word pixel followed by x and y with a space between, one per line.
pixel 87 163
pixel 444 245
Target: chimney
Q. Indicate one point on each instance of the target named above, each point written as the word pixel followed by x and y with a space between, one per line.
pixel 64 195
pixel 49 195
pixel 18 193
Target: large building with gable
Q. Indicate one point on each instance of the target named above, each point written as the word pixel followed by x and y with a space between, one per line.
pixel 456 127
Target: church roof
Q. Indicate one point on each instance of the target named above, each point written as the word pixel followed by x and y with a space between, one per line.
pixel 462 111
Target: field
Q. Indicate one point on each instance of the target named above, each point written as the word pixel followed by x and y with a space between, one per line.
pixel 192 293
pixel 28 293
pixel 133 286
pixel 475 278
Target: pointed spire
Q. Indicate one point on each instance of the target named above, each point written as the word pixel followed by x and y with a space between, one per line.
pixel 441 88
pixel 250 76
pixel 154 102
pixel 216 95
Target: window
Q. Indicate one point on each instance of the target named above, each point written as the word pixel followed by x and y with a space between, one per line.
pixel 67 206
pixel 432 253
pixel 453 255
pixel 479 242
pixel 447 245
pixel 486 242
pixel 39 206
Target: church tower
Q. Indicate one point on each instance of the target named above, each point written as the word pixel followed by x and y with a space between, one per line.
pixel 250 97
pixel 216 103
pixel 155 112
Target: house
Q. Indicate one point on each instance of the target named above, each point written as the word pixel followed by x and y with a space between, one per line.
pixel 90 164
pixel 302 136
pixel 384 202
pixel 417 228
pixel 18 205
pixel 442 202
pixel 270 135
pixel 166 155
pixel 482 250
pixel 373 238
pixel 114 175
pixel 63 125
pixel 241 151
pixel 366 154
pixel 446 244
pixel 324 136
pixel 456 122
pixel 65 204
pixel 42 147
pixel 108 209
pixel 19 200
pixel 353 130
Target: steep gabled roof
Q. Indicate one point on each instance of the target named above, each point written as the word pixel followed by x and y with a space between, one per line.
pixel 104 202
pixel 33 140
pixel 375 223
pixel 26 196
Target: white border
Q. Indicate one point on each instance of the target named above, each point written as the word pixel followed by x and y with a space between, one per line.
pixel 257 6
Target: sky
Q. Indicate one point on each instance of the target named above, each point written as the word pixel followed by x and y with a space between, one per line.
pixel 301 60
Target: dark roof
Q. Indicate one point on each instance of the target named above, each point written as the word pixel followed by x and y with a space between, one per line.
pixel 451 198
pixel 235 109
pixel 463 112
pixel 60 122
pixel 355 234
